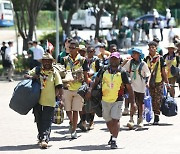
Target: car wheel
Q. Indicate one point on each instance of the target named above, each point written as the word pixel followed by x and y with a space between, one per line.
pixel 93 27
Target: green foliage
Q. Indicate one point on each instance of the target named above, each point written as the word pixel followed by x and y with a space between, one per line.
pixel 46 20
pixel 21 65
pixel 51 37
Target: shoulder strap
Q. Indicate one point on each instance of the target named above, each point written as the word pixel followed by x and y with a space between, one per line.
pixel 81 60
pixel 37 70
pixel 140 68
pixel 130 66
pixel 177 60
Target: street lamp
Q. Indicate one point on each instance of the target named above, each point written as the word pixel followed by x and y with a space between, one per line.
pixel 57 28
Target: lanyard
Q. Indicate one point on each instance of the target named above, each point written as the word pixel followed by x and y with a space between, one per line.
pixel 112 76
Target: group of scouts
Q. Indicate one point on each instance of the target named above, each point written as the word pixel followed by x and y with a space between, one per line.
pixel 153 74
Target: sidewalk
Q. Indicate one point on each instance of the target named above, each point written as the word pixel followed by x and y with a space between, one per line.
pixel 18 134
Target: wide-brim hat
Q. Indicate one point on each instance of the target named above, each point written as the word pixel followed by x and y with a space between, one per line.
pixel 136 50
pixel 175 71
pixel 82 47
pixel 48 56
pixel 171 45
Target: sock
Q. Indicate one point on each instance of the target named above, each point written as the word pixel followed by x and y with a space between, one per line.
pixel 114 138
pixel 131 118
pixel 92 117
pixel 83 117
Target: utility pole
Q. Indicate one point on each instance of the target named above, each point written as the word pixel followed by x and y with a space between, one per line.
pixel 57 28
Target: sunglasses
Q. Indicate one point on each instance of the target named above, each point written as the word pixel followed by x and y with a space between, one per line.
pixel 72 48
pixel 90 51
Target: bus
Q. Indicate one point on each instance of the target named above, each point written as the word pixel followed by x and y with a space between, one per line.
pixel 6 13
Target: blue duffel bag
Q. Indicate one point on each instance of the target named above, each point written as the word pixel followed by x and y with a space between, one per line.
pixel 148 112
pixel 169 105
pixel 25 96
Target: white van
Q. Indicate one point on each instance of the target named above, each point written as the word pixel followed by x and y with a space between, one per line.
pixel 86 19
pixel 6 14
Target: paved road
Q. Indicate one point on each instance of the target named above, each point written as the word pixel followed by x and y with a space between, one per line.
pixel 7 35
pixel 18 134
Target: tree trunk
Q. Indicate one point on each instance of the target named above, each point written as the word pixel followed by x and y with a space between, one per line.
pixel 97 25
pixel 25 44
pixel 114 18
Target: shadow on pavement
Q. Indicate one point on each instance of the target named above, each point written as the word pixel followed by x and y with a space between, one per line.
pixel 160 124
pixel 19 147
pixel 90 147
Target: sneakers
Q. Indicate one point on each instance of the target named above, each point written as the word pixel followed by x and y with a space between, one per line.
pixel 113 145
pixel 82 126
pixel 74 135
pixel 130 124
pixel 70 127
pixel 125 112
pixel 11 80
pixel 91 125
pixel 156 120
pixel 140 122
pixel 44 144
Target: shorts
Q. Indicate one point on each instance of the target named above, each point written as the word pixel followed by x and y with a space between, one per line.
pixel 72 101
pixel 172 80
pixel 112 110
pixel 139 98
pixel 147 32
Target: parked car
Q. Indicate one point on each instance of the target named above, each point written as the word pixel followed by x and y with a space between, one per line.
pixel 150 19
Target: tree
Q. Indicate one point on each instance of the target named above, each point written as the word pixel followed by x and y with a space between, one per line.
pixel 26 12
pixel 74 6
pixel 115 4
pixel 98 6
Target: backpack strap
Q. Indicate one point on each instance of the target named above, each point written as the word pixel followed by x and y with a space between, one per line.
pixel 130 66
pixel 139 70
pixel 37 70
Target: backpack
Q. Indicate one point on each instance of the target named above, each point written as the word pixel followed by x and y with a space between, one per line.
pixel 169 105
pixel 96 95
pixel 26 95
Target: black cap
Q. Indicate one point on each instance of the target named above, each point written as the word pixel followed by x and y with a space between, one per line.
pixel 156 40
pixel 152 43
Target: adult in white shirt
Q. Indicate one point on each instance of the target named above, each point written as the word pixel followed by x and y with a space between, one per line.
pixel 139 73
pixel 161 27
pixel 38 53
pixel 96 46
pixel 168 16
pixel 10 56
pixel 156 14
pixel 109 38
pixel 125 21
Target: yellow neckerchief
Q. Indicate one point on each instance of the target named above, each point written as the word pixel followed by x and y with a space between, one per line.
pixel 152 61
pixel 71 63
pixel 44 74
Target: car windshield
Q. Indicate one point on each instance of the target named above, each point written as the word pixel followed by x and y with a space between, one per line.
pixel 7 6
